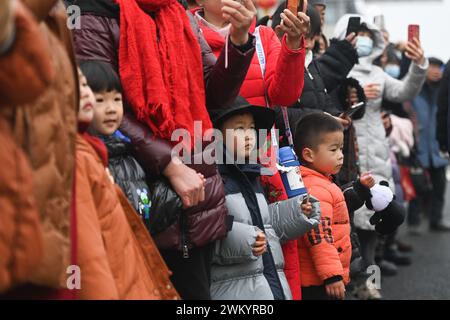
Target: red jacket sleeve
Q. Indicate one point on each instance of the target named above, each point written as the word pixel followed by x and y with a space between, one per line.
pixel 284 70
pixel 320 240
pixel 292 268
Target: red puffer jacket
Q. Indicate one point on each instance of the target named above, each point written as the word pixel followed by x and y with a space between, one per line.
pixel 325 252
pixel 283 80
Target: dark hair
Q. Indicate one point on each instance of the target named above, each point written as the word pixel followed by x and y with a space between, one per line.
pixel 365 28
pixel 310 129
pixel 100 76
pixel 311 12
pixel 435 61
pixel 391 54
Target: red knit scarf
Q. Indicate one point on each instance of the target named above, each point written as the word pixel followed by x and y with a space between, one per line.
pixel 160 66
pixel 95 142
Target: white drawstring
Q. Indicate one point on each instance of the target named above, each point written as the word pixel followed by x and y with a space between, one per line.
pixel 226 51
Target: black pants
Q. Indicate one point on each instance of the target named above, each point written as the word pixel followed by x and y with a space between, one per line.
pixel 192 276
pixel 368 240
pixel 314 293
pixel 432 201
pixel 319 293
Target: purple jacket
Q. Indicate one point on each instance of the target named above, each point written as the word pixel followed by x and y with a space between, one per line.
pixel 98 39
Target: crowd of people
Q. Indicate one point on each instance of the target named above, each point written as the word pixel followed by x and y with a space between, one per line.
pixel 330 146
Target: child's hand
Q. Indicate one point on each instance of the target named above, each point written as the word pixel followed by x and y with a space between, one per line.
pixel 306 208
pixel 367 180
pixel 260 245
pixel 336 290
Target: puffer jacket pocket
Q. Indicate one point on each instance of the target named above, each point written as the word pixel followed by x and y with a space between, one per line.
pixel 237 246
pixel 344 249
pixel 275 246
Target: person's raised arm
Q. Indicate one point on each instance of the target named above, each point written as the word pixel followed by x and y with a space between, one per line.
pixel 224 76
pixel 410 86
pixel 284 76
pixel 337 61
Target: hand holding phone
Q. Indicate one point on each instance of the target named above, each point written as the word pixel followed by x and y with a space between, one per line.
pixel 294 24
pixel 241 16
pixel 292 5
pixel 414 49
pixel 353 109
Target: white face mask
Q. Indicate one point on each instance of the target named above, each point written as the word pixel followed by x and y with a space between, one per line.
pixel 364 46
pixel 393 70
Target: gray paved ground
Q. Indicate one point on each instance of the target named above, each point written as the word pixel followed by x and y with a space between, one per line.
pixel 429 275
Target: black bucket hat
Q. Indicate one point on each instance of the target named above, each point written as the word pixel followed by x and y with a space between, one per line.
pixel 264 117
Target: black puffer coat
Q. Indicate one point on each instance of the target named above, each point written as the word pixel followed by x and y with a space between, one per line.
pixel 127 172
pixel 322 76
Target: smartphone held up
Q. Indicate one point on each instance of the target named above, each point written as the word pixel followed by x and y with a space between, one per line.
pixel 353 26
pixel 413 32
pixel 354 109
pixel 296 5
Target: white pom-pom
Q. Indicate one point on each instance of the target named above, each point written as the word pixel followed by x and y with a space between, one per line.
pixel 381 197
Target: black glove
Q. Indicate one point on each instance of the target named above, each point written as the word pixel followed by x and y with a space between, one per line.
pixel 389 219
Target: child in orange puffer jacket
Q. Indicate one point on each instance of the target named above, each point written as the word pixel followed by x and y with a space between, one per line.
pixel 325 252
